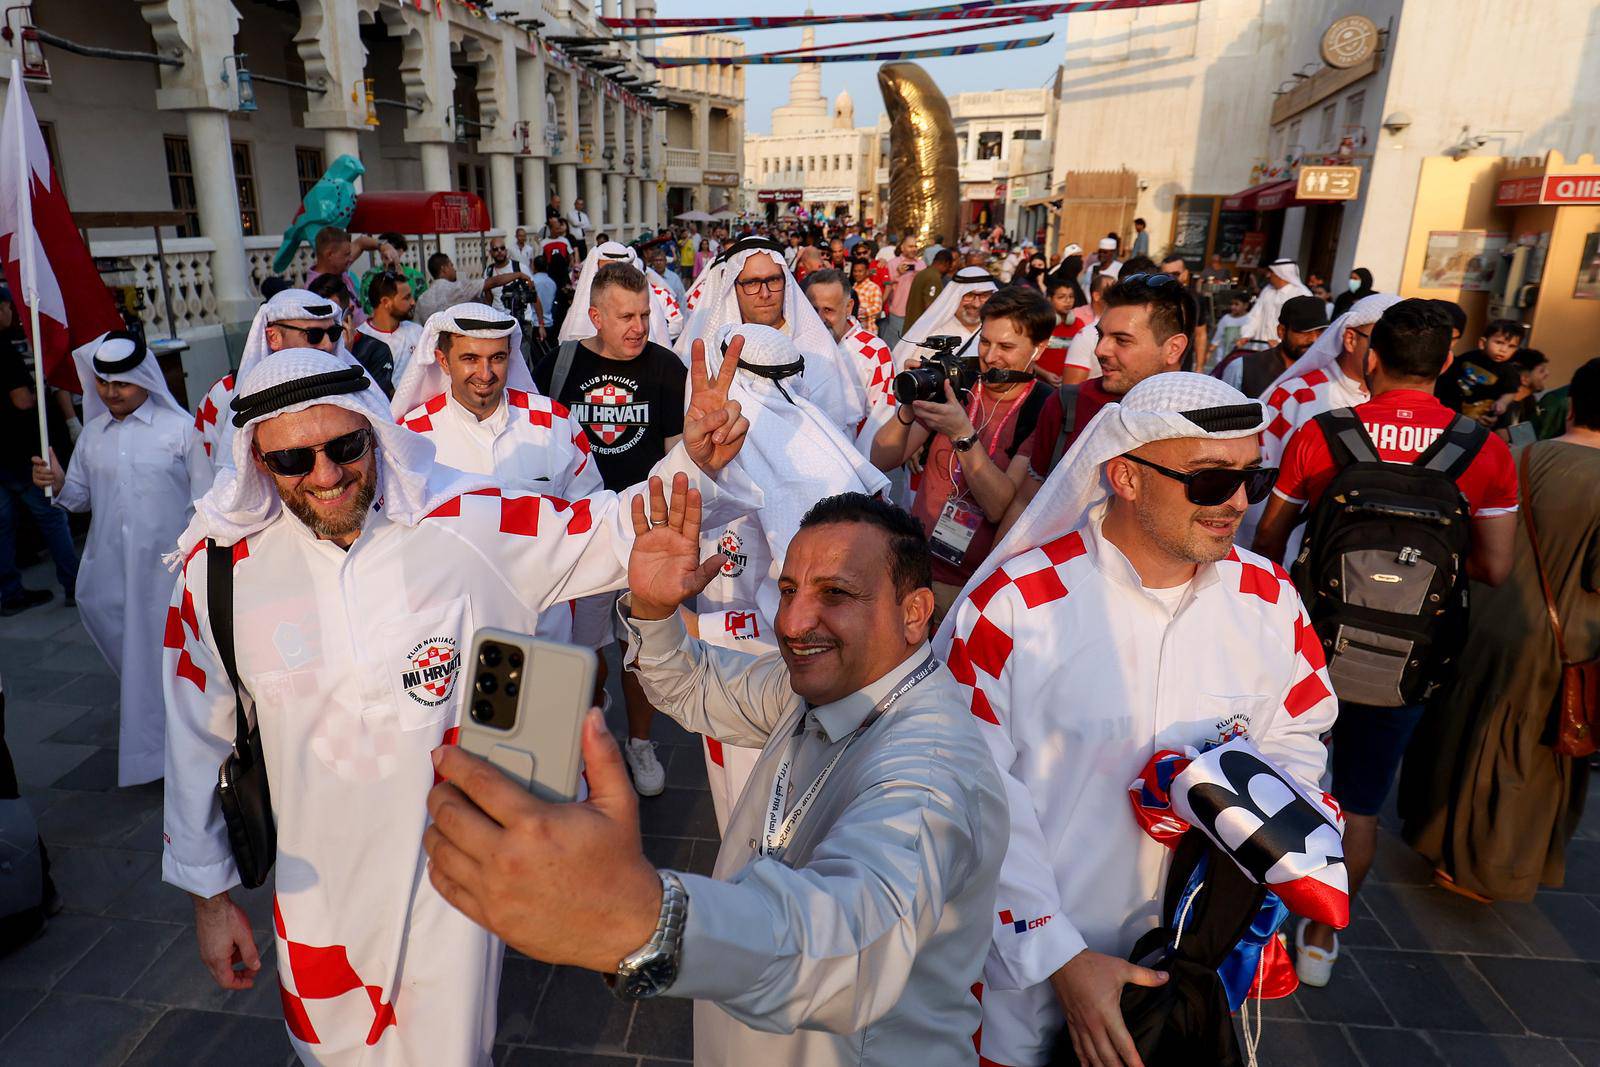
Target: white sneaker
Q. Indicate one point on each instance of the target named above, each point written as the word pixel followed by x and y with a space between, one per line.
pixel 1314 965
pixel 649 777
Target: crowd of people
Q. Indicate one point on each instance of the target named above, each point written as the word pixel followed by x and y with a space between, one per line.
pixel 1047 618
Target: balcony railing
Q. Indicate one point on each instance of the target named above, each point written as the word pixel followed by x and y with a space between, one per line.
pixel 188 263
pixel 683 158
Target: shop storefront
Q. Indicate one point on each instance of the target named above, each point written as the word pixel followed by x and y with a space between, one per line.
pixel 1513 239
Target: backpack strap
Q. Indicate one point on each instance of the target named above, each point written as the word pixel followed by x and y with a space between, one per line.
pixel 563 367
pixel 219 610
pixel 1454 449
pixel 1347 439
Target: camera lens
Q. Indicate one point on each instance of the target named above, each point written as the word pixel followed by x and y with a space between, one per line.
pixel 919 383
pixel 511 689
pixel 490 656
pixel 515 659
pixel 482 711
pixel 487 683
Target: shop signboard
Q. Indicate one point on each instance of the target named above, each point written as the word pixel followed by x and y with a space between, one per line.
pixel 718 177
pixel 1328 183
pixel 1549 189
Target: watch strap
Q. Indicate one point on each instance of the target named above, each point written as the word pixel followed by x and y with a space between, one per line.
pixel 964 444
pixel 664 945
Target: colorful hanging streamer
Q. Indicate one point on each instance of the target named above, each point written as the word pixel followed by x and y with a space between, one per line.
pixel 975 9
pixel 765 58
pixel 904 36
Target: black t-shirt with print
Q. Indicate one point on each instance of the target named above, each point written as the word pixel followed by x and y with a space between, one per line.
pixel 629 407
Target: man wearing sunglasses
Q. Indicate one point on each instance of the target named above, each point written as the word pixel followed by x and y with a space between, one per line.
pixel 1120 594
pixel 749 283
pixel 360 569
pixel 292 318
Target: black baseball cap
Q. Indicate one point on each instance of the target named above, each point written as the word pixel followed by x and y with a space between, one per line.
pixel 1303 314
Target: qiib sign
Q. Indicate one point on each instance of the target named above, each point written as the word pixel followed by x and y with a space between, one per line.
pixel 1549 189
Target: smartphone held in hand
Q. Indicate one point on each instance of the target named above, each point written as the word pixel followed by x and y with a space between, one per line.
pixel 525 703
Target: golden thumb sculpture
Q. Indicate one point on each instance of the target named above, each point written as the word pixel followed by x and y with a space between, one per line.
pixel 924 180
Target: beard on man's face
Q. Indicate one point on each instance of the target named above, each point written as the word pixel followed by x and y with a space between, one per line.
pixel 343 521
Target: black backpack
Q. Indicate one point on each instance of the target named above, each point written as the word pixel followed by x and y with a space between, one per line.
pixel 1382 569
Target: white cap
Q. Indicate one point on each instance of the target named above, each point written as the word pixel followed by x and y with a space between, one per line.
pixel 1108 244
pixel 1072 250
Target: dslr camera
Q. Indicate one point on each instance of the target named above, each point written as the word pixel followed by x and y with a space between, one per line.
pixel 517 295
pixel 927 381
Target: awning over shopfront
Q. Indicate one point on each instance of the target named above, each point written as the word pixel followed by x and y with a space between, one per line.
pixel 1268 196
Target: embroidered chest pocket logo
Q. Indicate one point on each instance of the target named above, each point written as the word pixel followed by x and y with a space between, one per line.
pixel 422 661
pixel 430 674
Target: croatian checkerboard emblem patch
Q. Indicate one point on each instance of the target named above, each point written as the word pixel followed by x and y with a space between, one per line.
pixel 429 674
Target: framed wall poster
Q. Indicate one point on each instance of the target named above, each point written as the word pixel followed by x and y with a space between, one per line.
pixel 1461 259
pixel 1588 286
pixel 1231 228
pixel 1251 246
pixel 1191 228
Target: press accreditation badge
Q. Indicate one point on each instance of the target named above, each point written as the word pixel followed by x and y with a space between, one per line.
pixel 958 524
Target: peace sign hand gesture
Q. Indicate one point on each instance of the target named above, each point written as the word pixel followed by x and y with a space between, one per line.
pixel 713 429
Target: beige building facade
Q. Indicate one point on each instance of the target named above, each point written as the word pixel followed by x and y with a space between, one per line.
pixel 704 126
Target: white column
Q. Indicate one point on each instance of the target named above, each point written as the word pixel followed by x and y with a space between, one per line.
pixel 567 184
pixel 503 192
pixel 217 200
pixel 616 221
pixel 436 167
pixel 593 201
pixel 534 193
pixel 340 142
pixel 635 207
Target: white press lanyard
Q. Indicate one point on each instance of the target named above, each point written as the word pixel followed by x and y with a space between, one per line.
pixel 779 829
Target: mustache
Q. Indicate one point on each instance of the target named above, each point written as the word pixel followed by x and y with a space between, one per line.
pixel 1219 514
pixel 811 637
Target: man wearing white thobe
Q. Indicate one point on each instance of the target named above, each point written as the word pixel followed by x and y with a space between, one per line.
pixel 138 466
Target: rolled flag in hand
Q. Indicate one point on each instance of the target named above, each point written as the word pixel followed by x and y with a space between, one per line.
pixel 1151 795
pixel 1277 834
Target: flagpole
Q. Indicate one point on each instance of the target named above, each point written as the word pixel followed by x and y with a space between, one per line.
pixel 30 282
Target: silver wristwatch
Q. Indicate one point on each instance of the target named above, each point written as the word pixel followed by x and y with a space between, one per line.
pixel 652 969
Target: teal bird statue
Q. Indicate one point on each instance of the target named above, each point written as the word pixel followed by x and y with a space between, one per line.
pixel 330 202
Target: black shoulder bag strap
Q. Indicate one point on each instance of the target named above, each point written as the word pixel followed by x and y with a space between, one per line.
pixel 242 788
pixel 558 376
pixel 219 609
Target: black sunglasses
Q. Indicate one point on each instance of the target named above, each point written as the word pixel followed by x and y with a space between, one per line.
pixel 1216 485
pixel 1157 283
pixel 299 462
pixel 314 334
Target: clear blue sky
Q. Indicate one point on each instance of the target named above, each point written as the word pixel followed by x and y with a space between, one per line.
pixel 766 87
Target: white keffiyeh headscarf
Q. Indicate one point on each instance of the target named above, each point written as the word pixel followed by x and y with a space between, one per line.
pixel 285 304
pixel 424 379
pixel 1329 345
pixel 1288 270
pixel 940 318
pixel 1160 408
pixel 834 386
pixel 119 356
pixel 577 326
pixel 244 500
pixel 793 451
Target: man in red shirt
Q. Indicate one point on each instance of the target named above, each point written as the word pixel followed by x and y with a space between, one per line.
pixel 1410 348
pixel 1145 329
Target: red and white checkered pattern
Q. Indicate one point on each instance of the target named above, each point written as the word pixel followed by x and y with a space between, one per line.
pixel 873 363
pixel 314 980
pixel 1291 405
pixel 212 412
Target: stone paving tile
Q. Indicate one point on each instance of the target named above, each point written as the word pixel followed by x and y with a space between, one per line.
pixel 31 721
pixel 90 878
pixel 15 1006
pixel 678 813
pixel 182 1036
pixel 1556 925
pixel 111 967
pixel 72 1031
pixel 41 764
pixel 1397 864
pixel 96 774
pixel 663 1027
pixel 1383 1046
pixel 177 978
pixel 98 726
pixel 1586 1053
pixel 1431 919
pixel 579 1012
pixel 25 683
pixel 1300 1044
pixel 90 689
pixel 39 964
pixel 522 983
pixel 543 1057
pixel 95 818
pixel 1348 998
pixel 1477 1050
pixel 1436 992
pixel 1551 997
